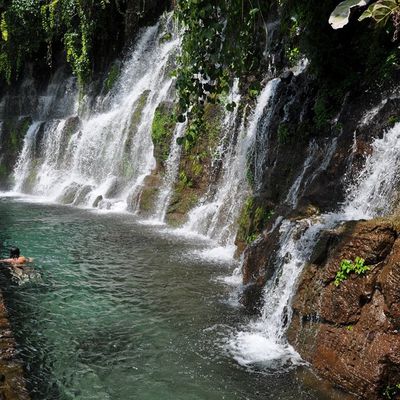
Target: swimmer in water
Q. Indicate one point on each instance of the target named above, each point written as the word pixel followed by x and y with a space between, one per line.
pixel 16 258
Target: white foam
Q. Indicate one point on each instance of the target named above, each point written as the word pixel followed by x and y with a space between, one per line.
pixel 219 253
pixel 252 348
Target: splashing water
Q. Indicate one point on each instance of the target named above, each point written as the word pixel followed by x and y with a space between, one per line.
pixel 263 343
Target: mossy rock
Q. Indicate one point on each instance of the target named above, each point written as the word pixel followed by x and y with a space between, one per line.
pixel 112 77
pixel 162 131
pixel 149 194
pixel 180 205
pixel 12 140
pixel 32 177
pixel 195 170
pixel 252 220
pixel 15 130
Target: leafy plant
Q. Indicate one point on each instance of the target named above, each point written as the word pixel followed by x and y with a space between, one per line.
pixel 348 267
pixel 219 41
pixel 380 11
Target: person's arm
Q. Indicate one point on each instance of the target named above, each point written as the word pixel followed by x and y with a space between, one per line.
pixel 6 260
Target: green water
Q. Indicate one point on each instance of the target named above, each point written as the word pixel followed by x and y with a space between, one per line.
pixel 122 311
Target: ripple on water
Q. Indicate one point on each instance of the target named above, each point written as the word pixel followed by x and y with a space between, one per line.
pixel 124 311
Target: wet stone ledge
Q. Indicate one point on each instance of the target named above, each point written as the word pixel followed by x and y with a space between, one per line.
pixel 12 381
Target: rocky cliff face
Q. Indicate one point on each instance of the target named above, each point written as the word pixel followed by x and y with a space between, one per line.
pixel 307 174
pixel 349 333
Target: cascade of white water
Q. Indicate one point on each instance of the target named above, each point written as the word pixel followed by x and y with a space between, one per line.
pixel 293 193
pixel 374 193
pixel 25 159
pixel 302 181
pixel 376 190
pixel 104 158
pixel 216 215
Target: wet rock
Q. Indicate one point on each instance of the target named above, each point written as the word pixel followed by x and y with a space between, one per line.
pixel 349 333
pixel 12 382
pixel 287 76
pixel 149 194
pixel 69 194
pixel 97 201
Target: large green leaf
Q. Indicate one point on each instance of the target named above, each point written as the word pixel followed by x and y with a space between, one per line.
pixel 381 11
pixel 341 14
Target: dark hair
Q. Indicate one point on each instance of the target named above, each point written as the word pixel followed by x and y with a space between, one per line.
pixel 14 252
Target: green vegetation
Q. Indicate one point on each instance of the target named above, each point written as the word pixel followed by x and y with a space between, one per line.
pixel 393 119
pixel 33 30
pixel 184 181
pixel 392 391
pixel 3 172
pixel 220 40
pixel 283 133
pixel 252 220
pixel 17 130
pixel 162 130
pixel 348 267
pixel 381 11
pixel 112 77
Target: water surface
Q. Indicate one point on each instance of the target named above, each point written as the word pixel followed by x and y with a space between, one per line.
pixel 120 310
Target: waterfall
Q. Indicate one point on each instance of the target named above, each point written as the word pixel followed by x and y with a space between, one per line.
pixel 217 213
pixel 101 158
pixel 301 183
pixel 24 163
pixel 374 193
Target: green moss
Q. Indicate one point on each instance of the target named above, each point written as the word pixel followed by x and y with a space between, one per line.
pixel 283 133
pixel 181 204
pixel 393 119
pixel 252 221
pixel 162 131
pixel 166 38
pixel 183 181
pixel 212 122
pixel 17 130
pixel 391 391
pixel 147 199
pixel 3 172
pixel 112 77
pixel 196 164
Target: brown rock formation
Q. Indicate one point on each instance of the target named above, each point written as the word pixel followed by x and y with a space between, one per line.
pixel 12 383
pixel 349 333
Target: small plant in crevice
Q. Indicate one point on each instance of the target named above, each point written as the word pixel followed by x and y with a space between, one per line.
pixel 393 120
pixel 283 133
pixel 391 391
pixel 348 267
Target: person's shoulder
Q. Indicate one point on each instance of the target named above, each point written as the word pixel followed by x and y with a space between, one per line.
pixel 21 260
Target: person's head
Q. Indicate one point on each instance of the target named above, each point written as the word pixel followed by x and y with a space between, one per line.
pixel 14 252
